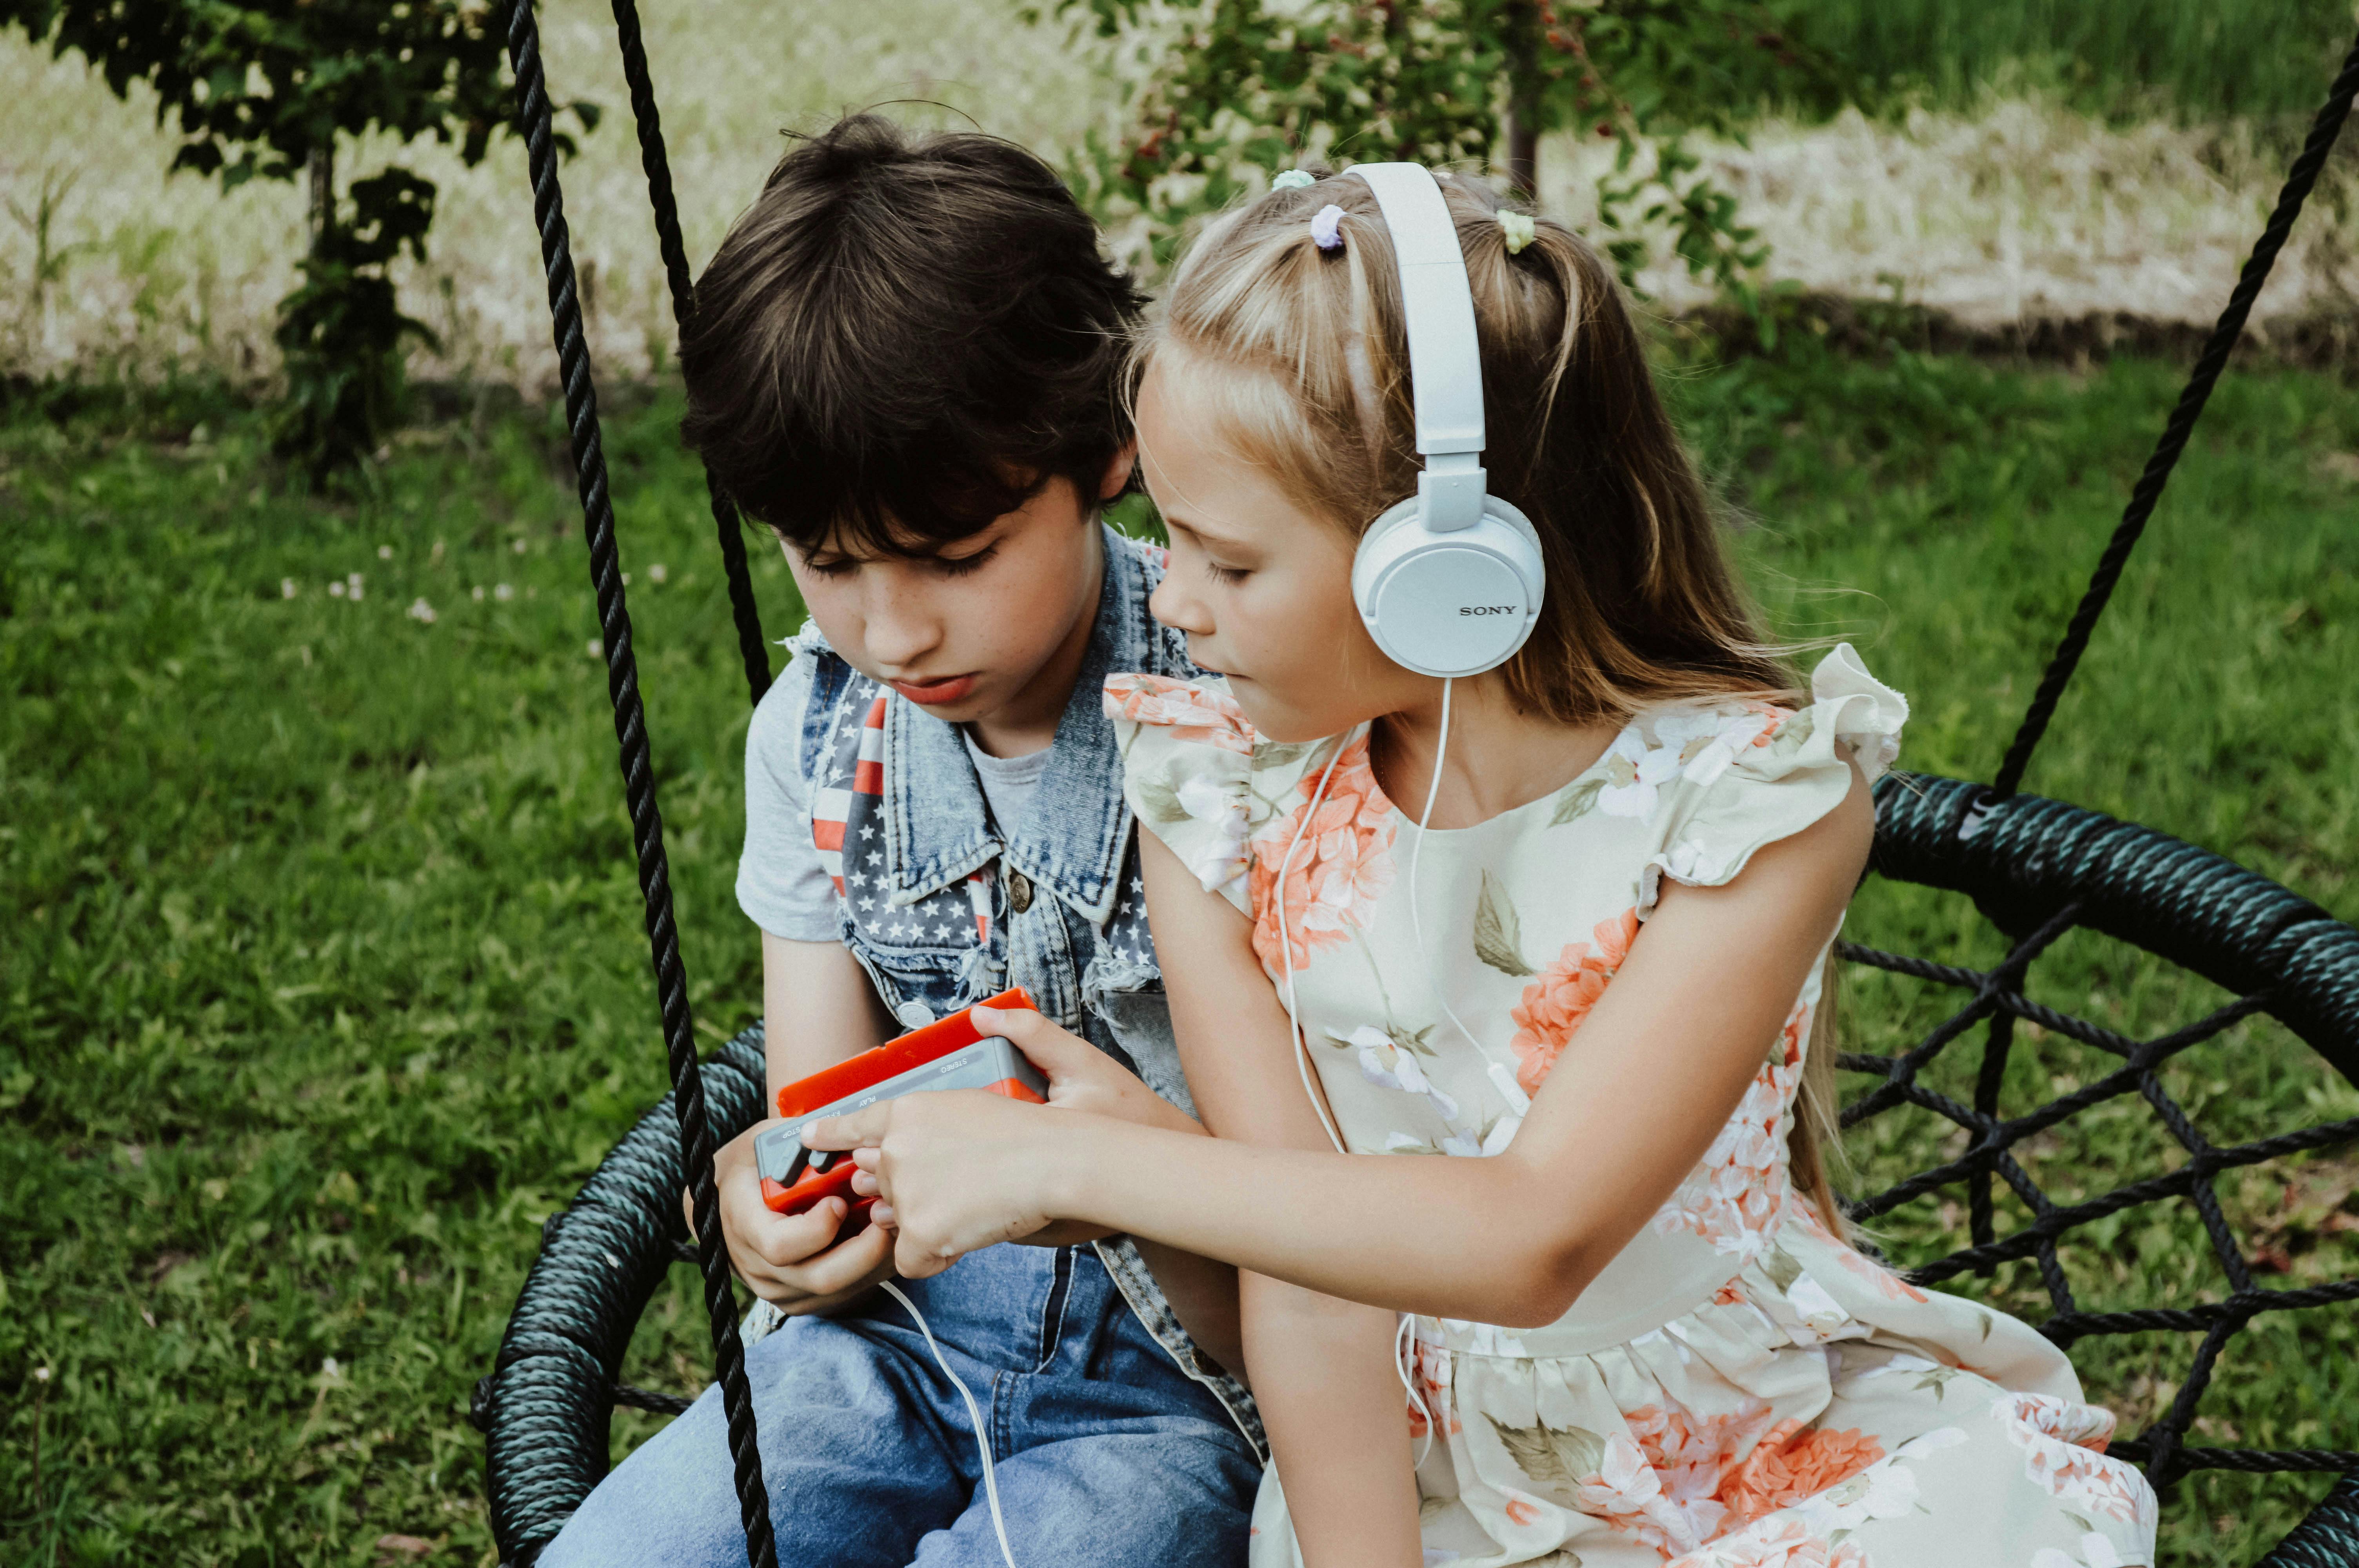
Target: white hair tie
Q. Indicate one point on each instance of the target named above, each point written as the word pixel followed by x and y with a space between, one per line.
pixel 1293 180
pixel 1323 230
pixel 1519 230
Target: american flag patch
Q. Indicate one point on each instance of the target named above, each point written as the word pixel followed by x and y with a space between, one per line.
pixel 831 808
pixel 978 893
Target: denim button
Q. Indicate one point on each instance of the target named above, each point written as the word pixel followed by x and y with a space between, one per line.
pixel 913 1014
pixel 1019 891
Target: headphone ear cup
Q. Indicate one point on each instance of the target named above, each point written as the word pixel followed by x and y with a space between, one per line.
pixel 1454 603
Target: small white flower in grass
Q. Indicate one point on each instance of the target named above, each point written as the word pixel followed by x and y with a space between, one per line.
pixel 331 1371
pixel 335 590
pixel 41 1374
pixel 353 585
pixel 384 552
pixel 520 547
pixel 502 593
pixel 421 611
pixel 655 573
pixel 597 647
pixel 287 587
pixel 626 579
pixel 477 593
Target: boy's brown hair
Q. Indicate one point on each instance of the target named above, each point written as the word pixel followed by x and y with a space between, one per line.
pixel 905 336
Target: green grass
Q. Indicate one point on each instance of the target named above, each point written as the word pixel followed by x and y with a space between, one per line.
pixel 323 980
pixel 2195 59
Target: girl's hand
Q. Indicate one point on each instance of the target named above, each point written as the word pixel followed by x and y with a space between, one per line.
pixel 1081 1076
pixel 952 1171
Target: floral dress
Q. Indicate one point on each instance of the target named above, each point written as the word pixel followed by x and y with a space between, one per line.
pixel 1737 1386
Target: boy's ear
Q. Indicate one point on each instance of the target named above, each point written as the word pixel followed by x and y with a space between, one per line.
pixel 1118 469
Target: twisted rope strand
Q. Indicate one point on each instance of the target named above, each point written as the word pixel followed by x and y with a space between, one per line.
pixel 638 777
pixel 652 157
pixel 2181 425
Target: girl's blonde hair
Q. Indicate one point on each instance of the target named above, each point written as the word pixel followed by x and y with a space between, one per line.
pixel 1299 357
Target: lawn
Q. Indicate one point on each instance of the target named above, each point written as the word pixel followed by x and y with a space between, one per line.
pixel 323 981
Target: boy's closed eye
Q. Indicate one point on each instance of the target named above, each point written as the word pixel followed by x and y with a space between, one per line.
pixel 960 565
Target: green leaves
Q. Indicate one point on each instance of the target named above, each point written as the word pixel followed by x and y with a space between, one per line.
pixel 259 90
pixel 1576 801
pixel 1499 930
pixel 1157 802
pixel 1561 1457
pixel 1223 93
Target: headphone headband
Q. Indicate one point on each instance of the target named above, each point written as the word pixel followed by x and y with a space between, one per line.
pixel 1444 354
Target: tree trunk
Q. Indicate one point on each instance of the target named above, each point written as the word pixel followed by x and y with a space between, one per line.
pixel 320 216
pixel 1523 125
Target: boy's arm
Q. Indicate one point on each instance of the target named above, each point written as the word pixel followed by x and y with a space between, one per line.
pixel 817 1009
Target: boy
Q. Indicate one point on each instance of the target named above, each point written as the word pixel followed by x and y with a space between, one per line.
pixel 906 359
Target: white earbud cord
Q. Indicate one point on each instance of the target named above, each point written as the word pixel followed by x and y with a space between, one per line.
pixel 974 1414
pixel 1299 1041
pixel 1416 910
pixel 1404 1339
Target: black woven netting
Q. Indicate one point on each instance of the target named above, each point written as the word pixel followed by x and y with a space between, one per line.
pixel 2090 1129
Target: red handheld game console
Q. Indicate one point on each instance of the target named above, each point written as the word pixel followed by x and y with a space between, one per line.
pixel 947 1055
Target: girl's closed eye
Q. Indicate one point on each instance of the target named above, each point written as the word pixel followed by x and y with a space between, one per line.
pixel 831 565
pixel 1227 575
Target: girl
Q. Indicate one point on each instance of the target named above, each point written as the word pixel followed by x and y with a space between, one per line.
pixel 1633 1332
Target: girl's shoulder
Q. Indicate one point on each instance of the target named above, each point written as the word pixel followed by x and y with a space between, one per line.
pixel 1714 783
pixel 1177 713
pixel 1197 774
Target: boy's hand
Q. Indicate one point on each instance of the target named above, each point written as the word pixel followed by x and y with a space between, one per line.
pixel 1081 1076
pixel 786 1258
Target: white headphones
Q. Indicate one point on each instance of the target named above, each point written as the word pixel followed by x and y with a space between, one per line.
pixel 1448 582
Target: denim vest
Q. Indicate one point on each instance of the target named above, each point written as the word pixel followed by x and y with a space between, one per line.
pixel 943 908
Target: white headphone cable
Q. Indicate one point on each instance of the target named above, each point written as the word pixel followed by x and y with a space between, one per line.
pixel 989 1481
pixel 1295 1037
pixel 1416 852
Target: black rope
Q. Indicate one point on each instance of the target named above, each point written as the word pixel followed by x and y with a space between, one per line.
pixel 1996 995
pixel 725 522
pixel 2067 658
pixel 638 776
pixel 651 1400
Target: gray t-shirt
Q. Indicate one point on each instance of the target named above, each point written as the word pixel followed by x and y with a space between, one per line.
pixel 1008 782
pixel 782 884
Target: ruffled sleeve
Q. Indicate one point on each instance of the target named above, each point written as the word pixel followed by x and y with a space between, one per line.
pixel 1187 765
pixel 1751 776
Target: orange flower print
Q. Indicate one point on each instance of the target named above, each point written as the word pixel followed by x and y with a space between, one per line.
pixel 1737 1194
pixel 1190 712
pixel 1692 1454
pixel 1430 1376
pixel 1342 866
pixel 1554 1004
pixel 1791 1463
pixel 2063 1443
pixel 1778 1544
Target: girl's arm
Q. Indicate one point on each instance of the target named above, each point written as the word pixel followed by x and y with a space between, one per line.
pixel 1321 1368
pixel 1338 1423
pixel 1632 1105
